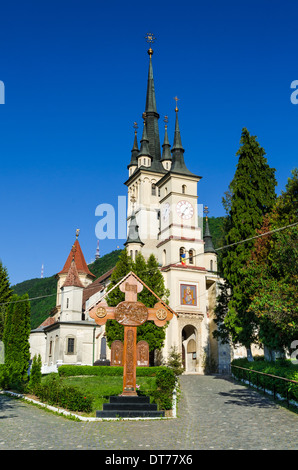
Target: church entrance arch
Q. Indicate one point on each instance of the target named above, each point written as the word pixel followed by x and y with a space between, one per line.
pixel 189 348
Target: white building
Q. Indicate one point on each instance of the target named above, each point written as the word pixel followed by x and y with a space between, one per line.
pixel 162 219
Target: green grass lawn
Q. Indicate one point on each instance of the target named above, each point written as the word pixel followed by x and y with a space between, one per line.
pixel 100 388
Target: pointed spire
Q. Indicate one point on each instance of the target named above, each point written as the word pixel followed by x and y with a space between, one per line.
pixel 135 149
pixel 166 148
pixel 144 151
pixel 72 278
pixel 76 254
pixel 152 115
pixel 178 165
pixel 133 230
pixel 208 247
pixel 150 96
pixel 177 137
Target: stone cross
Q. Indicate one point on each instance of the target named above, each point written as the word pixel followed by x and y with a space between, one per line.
pixel 130 313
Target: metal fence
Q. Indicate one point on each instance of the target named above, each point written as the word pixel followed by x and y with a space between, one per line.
pixel 246 375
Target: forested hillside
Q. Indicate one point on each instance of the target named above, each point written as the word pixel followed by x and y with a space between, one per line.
pixel 41 307
pixel 45 289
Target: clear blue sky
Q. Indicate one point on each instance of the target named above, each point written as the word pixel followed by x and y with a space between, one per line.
pixel 75 74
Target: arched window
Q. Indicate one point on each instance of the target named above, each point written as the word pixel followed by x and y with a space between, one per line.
pixel 136 252
pixel 183 188
pixel 190 256
pixel 211 265
pixel 131 253
pixel 153 190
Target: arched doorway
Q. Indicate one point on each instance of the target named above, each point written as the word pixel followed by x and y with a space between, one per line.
pixel 189 348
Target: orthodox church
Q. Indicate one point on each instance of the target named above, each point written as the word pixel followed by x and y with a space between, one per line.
pixel 163 219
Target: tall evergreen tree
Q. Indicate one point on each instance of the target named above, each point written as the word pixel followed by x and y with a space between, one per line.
pixel 5 296
pixel 252 195
pixel 16 340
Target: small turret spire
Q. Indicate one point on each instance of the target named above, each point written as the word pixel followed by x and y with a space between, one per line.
pixel 135 149
pixel 133 229
pixel 144 151
pixel 178 165
pixel 166 152
pixel 208 247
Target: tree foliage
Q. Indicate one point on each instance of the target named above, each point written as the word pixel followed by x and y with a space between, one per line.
pixel 6 293
pixel 272 272
pixel 16 340
pixel 150 274
pixel 251 195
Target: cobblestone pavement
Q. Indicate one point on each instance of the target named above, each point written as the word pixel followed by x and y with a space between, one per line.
pixel 213 413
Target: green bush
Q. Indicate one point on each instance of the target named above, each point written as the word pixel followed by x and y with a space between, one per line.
pixel 166 381
pixel 281 368
pixel 54 392
pixel 35 374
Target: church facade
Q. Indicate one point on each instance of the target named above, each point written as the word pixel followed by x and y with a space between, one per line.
pixel 163 219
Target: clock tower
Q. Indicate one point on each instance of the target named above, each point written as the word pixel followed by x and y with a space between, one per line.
pixel 163 219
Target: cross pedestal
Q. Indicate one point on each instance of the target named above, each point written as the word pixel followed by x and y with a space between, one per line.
pixel 130 313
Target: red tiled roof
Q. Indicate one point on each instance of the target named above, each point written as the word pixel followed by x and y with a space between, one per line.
pixel 48 321
pixel 79 260
pixel 72 278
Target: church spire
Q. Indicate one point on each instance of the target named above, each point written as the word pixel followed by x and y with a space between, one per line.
pixel 144 151
pixel 135 149
pixel 133 230
pixel 208 247
pixel 166 148
pixel 178 165
pixel 152 115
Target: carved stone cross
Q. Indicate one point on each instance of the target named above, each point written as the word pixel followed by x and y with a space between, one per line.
pixel 130 313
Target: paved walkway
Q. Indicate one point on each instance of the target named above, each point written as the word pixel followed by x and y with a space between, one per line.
pixel 214 413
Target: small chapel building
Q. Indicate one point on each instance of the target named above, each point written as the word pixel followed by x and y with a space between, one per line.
pixel 163 219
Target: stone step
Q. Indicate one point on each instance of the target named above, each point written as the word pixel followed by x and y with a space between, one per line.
pixel 129 399
pixel 129 414
pixel 129 406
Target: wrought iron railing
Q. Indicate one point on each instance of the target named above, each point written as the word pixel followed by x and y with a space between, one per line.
pixel 247 373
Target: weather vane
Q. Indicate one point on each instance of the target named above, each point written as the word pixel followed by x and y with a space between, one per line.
pixel 135 126
pixel 150 38
pixel 166 120
pixel 176 99
pixel 77 233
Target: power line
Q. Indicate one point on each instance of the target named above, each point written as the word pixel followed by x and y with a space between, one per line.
pixel 198 254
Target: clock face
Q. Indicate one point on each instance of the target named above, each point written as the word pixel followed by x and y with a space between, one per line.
pixel 185 210
pixel 166 211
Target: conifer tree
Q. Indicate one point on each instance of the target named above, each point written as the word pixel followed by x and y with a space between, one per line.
pixel 5 296
pixel 252 195
pixel 16 340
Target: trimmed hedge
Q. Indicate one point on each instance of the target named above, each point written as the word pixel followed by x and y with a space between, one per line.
pixel 72 370
pixel 280 368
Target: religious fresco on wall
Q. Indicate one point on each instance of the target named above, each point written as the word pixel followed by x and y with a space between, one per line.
pixel 188 294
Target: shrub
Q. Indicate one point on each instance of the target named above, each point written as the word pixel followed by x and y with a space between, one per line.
pixel 54 392
pixel 35 374
pixel 68 371
pixel 281 368
pixel 166 381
